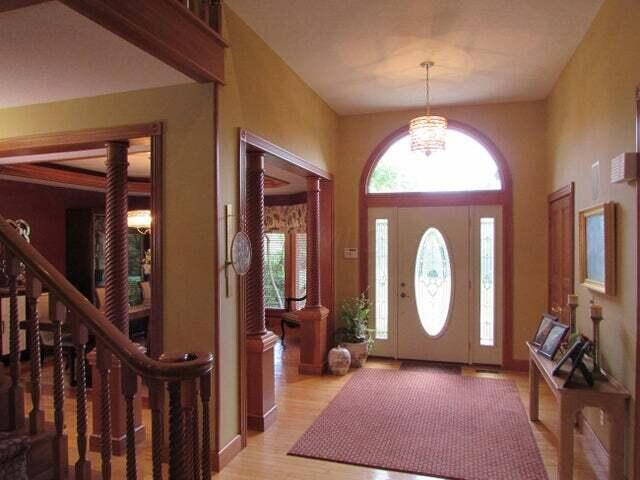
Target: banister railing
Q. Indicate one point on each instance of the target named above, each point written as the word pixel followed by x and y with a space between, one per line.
pixel 205 10
pixel 187 376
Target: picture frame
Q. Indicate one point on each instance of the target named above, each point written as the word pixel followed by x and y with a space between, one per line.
pixel 576 353
pixel 597 242
pixel 544 327
pixel 554 339
pixel 571 353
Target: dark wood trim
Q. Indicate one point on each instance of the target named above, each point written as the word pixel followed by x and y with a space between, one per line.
pixel 566 191
pixel 165 29
pixel 445 199
pixel 242 289
pixel 67 177
pixel 156 322
pixel 636 446
pixel 75 140
pixel 217 208
pixel 222 457
pixel 16 4
pixel 293 199
pixel 562 192
pixel 327 256
pixel 503 197
pixel 284 158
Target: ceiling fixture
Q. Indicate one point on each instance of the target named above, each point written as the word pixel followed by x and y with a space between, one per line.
pixel 140 220
pixel 428 133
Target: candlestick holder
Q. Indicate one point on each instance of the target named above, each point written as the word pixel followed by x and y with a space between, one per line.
pixel 596 319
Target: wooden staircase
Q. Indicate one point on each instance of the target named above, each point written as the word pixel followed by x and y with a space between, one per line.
pixel 185 376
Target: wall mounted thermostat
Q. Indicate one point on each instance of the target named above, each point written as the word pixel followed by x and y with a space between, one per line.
pixel 350 252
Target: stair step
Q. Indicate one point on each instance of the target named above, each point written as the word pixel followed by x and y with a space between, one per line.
pixel 41 458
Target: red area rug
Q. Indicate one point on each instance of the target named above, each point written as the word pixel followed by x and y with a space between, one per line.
pixel 428 423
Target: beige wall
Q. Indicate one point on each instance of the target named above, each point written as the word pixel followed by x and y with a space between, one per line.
pixel 263 95
pixel 592 118
pixel 519 133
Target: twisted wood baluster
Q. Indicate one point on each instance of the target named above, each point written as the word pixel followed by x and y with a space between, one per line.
pixel 36 416
pixel 156 401
pixel 103 362
pixel 16 392
pixel 129 390
pixel 80 338
pixel 205 397
pixel 58 314
pixel 188 401
pixel 195 439
pixel 176 433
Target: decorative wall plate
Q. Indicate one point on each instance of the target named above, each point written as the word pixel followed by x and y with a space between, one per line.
pixel 241 253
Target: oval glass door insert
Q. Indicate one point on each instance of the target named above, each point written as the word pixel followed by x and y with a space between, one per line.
pixel 433 282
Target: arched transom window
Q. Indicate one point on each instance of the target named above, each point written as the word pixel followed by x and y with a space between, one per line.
pixel 465 165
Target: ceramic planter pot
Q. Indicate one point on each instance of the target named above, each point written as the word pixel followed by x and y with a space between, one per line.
pixel 339 360
pixel 359 353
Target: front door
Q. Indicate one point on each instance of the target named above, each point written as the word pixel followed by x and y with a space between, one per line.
pixel 435 283
pixel 433 271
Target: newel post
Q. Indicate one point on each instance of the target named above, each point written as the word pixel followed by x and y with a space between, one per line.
pixel 261 406
pixel 313 317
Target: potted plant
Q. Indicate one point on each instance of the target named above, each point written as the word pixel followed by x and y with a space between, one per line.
pixel 355 334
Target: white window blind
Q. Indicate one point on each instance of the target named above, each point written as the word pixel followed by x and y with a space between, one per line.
pixel 301 268
pixel 274 270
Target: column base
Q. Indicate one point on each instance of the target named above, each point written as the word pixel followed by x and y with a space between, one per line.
pixel 118 409
pixel 261 401
pixel 313 345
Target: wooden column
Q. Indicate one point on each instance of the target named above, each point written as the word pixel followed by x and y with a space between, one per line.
pixel 313 348
pixel 261 404
pixel 116 306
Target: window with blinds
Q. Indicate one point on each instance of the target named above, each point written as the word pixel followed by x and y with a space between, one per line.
pixel 301 268
pixel 274 270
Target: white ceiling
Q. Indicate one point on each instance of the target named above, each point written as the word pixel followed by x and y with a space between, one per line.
pixel 295 183
pixel 49 52
pixel 364 55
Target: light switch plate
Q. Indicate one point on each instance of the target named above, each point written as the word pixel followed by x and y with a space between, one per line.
pixel 350 252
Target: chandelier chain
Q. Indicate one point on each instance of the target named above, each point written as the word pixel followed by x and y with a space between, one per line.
pixel 427 88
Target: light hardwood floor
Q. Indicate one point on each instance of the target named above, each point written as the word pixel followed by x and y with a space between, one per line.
pixel 300 400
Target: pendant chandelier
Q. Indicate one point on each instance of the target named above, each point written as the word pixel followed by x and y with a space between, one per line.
pixel 140 220
pixel 428 133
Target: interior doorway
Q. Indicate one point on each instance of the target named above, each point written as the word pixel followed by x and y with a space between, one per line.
pixel 272 176
pixel 561 250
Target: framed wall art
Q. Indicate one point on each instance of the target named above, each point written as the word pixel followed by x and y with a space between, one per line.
pixel 598 248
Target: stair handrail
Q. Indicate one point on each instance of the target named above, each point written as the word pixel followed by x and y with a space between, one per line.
pixel 174 368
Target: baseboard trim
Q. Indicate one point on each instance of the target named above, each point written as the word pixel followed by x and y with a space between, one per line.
pixel 517 365
pixel 596 455
pixel 312 369
pixel 263 422
pixel 221 459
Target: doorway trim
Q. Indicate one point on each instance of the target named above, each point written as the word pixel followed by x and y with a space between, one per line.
pixel 566 191
pixel 287 160
pixel 502 197
pixel 96 138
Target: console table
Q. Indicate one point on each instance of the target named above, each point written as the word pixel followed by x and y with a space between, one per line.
pixel 609 396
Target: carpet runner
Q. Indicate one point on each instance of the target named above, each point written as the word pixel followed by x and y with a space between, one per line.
pixel 427 423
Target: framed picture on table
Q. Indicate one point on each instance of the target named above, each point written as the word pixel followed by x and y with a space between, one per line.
pixel 554 339
pixel 544 327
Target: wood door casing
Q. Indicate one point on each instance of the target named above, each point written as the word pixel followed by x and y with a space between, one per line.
pixel 561 250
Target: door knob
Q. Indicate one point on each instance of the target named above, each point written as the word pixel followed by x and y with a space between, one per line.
pixel 404 295
pixel 402 284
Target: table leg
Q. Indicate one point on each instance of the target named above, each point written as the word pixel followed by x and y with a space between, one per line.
pixel 565 440
pixel 616 443
pixel 534 391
